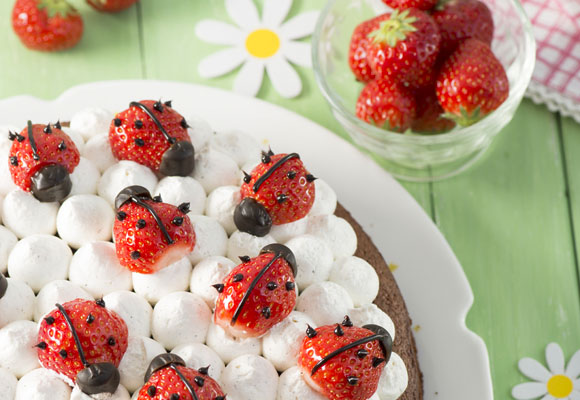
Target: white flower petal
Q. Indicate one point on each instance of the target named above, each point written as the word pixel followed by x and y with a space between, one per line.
pixel 573 368
pixel 244 13
pixel 529 390
pixel 284 78
pixel 298 53
pixel 274 12
pixel 555 358
pixel 534 370
pixel 221 62
pixel 218 32
pixel 249 79
pixel 548 397
pixel 300 26
pixel 574 395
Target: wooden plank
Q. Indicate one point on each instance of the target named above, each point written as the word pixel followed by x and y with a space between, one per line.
pixel 507 220
pixel 109 49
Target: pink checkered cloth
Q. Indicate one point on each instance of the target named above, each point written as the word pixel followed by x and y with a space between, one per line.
pixel 556 79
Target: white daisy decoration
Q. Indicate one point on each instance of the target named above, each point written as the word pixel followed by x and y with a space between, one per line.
pixel 558 381
pixel 267 43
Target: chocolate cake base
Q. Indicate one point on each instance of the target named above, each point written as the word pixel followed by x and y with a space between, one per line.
pixel 391 301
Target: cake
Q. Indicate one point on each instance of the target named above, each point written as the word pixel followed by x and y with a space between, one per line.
pixel 60 250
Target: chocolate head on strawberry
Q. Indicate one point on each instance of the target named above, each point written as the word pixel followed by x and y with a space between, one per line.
pixel 167 378
pixel 258 293
pixel 83 342
pixel 41 159
pixel 149 234
pixel 343 361
pixel 278 191
pixel 3 285
pixel 153 134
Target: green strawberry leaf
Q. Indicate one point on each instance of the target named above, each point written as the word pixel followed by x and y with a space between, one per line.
pixel 394 29
pixel 56 7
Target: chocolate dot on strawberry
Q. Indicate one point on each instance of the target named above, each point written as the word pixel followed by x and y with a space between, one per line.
pixel 153 135
pixel 41 160
pixel 3 285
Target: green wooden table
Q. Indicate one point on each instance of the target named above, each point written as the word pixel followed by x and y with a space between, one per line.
pixel 511 219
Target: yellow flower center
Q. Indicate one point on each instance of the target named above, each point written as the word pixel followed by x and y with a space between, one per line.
pixel 560 386
pixel 262 43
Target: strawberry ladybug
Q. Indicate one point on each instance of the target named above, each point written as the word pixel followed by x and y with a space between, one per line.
pixel 153 134
pixel 41 159
pixel 167 378
pixel 278 191
pixel 149 234
pixel 258 293
pixel 343 361
pixel 83 342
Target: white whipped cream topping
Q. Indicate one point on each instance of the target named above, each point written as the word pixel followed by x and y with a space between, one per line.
pixel 336 232
pixel 325 199
pixel 182 189
pixel 85 178
pixel 313 258
pixel 180 318
pixel 17 351
pixel 120 394
pixel 200 132
pixel 208 272
pixel 42 384
pixel 17 303
pixel 6 183
pixel 240 147
pixel 174 278
pixel 244 244
pixel 134 309
pixel 1 205
pixel 325 302
pixel 210 238
pixel 250 377
pixel 394 379
pixel 214 168
pixel 24 215
pixel 98 151
pixel 292 386
pixel 85 218
pixel 198 355
pixel 95 268
pixel 371 314
pixel 90 122
pixel 221 204
pixel 125 173
pixel 358 277
pixel 229 347
pixel 152 348
pixel 281 345
pixel 8 384
pixel 7 242
pixel 39 260
pixel 286 232
pixel 59 291
pixel 134 364
pixel 76 137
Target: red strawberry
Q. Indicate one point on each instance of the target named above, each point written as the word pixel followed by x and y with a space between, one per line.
pixel 111 5
pixel 472 83
pixel 345 362
pixel 41 159
pixel 153 134
pixel 429 118
pixel 150 235
pixel 168 378
pixel 357 54
pixel 404 47
pixel 463 19
pixel 278 191
pixel 386 104
pixel 424 5
pixel 258 293
pixel 84 342
pixel 47 25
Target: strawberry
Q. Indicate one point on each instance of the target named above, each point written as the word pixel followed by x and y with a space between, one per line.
pixel 429 118
pixel 343 361
pixel 463 19
pixel 153 134
pixel 278 191
pixel 150 235
pixel 357 54
pixel 404 47
pixel 386 104
pixel 83 342
pixel 42 157
pixel 111 5
pixel 472 83
pixel 167 378
pixel 258 293
pixel 424 5
pixel 47 25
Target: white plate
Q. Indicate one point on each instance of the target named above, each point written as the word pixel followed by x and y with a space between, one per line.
pixel 453 359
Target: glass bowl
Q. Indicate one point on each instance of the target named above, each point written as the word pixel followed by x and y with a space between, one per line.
pixel 417 157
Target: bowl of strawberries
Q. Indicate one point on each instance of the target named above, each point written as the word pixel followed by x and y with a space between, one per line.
pixel 425 85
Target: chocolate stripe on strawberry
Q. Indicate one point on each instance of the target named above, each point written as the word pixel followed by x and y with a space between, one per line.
pixel 273 169
pixel 154 118
pixel 185 382
pixel 74 334
pixel 32 141
pixel 137 200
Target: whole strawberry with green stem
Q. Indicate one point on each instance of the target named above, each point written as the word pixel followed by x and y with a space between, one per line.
pixel 357 53
pixel 405 47
pixel 424 5
pixel 111 5
pixel 471 83
pixel 47 25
